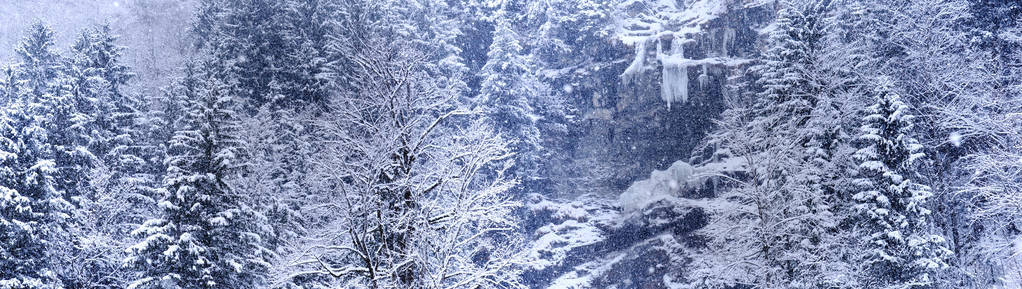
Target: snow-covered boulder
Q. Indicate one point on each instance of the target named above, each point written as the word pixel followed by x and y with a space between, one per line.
pixel 660 185
pixel 593 242
pixel 640 240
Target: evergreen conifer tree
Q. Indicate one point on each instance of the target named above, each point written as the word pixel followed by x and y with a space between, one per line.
pixel 507 99
pixel 901 251
pixel 32 211
pixel 40 64
pixel 207 237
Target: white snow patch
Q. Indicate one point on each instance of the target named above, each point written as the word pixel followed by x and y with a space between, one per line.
pixel 558 210
pixel 734 164
pixel 665 185
pixel 568 88
pixel 660 185
pixel 580 280
pixel 767 30
pixel 559 239
pixel 1011 35
pixel 956 139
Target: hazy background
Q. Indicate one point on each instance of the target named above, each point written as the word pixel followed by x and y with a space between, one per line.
pixel 154 31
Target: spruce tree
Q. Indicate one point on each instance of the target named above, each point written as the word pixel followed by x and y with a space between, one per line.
pixel 900 249
pixel 86 130
pixel 207 236
pixel 265 52
pixel 506 98
pixel 99 75
pixel 103 55
pixel 789 85
pixel 70 119
pixel 54 94
pixel 40 64
pixel 784 131
pixel 174 100
pixel 32 211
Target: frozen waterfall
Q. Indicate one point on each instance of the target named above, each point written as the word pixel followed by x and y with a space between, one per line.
pixel 674 86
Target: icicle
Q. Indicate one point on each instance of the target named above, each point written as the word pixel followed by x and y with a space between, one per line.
pixel 638 63
pixel 729 38
pixel 674 85
pixel 704 79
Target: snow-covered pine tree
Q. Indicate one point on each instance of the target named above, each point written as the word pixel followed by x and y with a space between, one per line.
pixel 246 39
pixel 900 249
pixel 70 120
pixel 119 140
pixel 783 84
pixel 66 116
pixel 314 26
pixel 104 57
pixel 69 136
pixel 173 100
pixel 95 139
pixel 39 71
pixel 207 236
pixel 927 50
pixel 507 97
pixel 939 70
pixel 789 86
pixel 96 59
pixel 770 226
pixel 280 145
pixel 32 212
pixel 265 52
pixel 40 64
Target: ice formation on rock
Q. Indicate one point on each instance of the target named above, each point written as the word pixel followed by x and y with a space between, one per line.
pixel 674 82
pixel 638 63
pixel 704 79
pixel 675 24
pixel 660 185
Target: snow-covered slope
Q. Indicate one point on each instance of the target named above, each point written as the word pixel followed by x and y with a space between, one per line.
pixel 639 240
pixel 611 248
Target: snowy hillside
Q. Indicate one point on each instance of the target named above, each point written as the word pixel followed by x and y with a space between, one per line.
pixel 642 239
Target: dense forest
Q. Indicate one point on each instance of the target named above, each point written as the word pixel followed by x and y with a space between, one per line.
pixel 510 144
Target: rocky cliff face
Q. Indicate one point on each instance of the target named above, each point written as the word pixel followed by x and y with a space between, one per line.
pixel 615 230
pixel 611 248
pixel 651 105
pixel 640 240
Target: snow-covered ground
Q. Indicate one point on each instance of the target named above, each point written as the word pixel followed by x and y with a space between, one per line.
pixel 639 238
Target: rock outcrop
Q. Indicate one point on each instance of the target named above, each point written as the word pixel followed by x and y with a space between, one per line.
pixel 639 240
pixel 627 129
